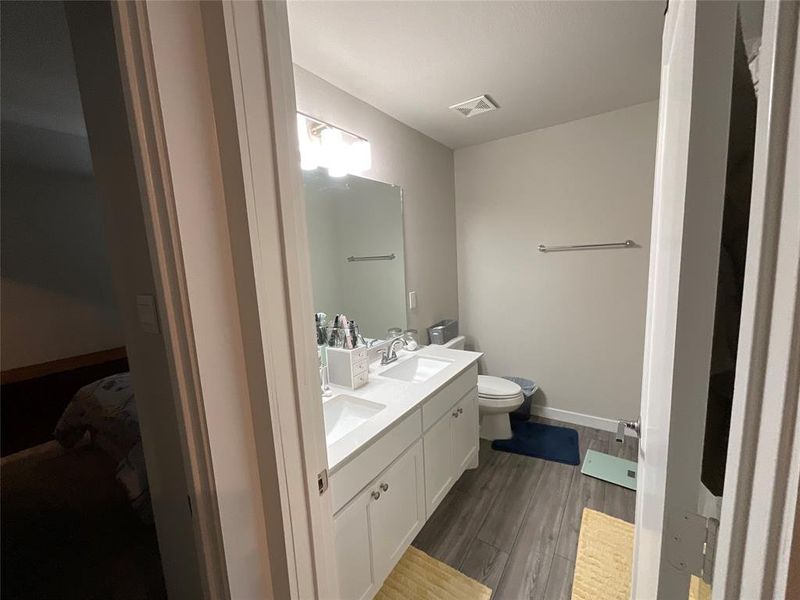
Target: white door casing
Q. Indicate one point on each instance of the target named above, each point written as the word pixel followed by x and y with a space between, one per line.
pixel 759 511
pixel 691 161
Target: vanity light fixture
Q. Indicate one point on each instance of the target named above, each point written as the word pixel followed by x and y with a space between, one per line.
pixel 323 145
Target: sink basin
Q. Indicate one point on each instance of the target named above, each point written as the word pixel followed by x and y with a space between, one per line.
pixel 344 413
pixel 417 369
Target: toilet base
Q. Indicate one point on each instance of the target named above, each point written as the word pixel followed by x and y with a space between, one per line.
pixel 495 426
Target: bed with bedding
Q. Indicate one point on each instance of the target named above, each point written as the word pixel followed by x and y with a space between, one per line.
pixel 105 411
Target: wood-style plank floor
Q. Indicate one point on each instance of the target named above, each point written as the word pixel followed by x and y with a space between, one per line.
pixel 513 522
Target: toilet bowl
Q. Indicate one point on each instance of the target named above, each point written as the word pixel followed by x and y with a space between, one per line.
pixel 497 398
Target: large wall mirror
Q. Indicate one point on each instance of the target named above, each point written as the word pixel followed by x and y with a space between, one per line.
pixel 355 231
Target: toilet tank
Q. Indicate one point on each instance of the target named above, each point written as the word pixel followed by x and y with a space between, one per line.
pixel 457 343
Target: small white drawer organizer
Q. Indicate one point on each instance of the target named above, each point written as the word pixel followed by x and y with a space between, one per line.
pixel 348 368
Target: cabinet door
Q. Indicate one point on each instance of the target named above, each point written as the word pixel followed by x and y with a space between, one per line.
pixel 465 432
pixel 439 469
pixel 353 556
pixel 397 510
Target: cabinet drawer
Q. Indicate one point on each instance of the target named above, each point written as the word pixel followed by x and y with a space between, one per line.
pixel 360 379
pixel 444 400
pixel 351 478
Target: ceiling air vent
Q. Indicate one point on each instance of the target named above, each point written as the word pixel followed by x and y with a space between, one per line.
pixel 476 106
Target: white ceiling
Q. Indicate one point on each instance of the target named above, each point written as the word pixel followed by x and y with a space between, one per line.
pixel 544 63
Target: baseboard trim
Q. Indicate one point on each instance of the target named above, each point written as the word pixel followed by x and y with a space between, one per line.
pixel 575 418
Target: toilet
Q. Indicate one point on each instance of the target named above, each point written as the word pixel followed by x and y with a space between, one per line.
pixel 497 398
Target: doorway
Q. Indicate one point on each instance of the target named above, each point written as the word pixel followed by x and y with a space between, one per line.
pixel 94 488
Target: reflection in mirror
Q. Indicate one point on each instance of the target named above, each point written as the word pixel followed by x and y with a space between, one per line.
pixel 355 236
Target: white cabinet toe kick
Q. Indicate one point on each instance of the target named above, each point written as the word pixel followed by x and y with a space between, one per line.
pixel 384 496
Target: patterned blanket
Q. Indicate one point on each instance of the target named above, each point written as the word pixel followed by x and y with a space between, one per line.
pixel 106 409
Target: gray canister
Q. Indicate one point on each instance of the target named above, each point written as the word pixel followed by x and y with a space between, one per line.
pixel 443 331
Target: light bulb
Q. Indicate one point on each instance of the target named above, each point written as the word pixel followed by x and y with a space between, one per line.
pixel 334 152
pixel 309 148
pixel 360 156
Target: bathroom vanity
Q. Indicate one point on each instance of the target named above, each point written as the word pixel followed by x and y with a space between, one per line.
pixel 401 434
pixel 395 448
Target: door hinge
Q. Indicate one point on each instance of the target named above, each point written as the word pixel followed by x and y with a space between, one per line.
pixel 691 542
pixel 322 481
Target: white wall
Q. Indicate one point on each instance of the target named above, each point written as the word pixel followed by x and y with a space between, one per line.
pixel 572 321
pixel 424 169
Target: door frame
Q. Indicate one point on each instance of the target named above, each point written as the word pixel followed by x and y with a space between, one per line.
pixel 763 463
pixel 254 95
pixel 689 186
pixel 250 101
pixel 135 57
pixel 755 544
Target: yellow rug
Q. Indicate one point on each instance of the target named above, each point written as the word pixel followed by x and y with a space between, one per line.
pixel 605 556
pixel 419 577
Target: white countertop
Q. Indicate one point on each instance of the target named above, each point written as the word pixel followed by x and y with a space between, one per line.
pixel 399 397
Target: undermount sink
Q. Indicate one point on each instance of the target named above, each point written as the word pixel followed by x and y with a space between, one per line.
pixel 417 369
pixel 344 413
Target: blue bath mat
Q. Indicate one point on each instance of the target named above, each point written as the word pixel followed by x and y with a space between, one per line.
pixel 549 442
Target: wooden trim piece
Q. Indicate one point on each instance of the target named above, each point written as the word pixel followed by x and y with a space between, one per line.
pixel 763 463
pixel 152 162
pixel 62 364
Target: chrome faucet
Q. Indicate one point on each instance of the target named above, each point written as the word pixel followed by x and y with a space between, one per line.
pixel 389 355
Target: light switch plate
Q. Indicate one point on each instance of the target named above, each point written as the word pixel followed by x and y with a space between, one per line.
pixel 148 315
pixel 412 300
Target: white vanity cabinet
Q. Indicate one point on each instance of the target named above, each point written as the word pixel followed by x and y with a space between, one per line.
pixel 377 526
pixel 383 495
pixel 465 433
pixel 450 446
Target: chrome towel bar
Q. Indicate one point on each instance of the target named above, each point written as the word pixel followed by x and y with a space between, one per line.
pixel 377 257
pixel 625 244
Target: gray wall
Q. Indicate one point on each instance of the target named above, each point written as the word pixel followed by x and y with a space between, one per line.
pixel 572 321
pixel 424 169
pixel 57 296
